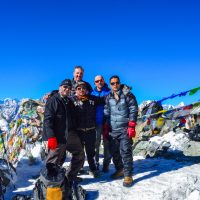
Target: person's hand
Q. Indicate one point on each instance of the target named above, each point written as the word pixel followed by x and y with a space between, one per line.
pixel 131 129
pixel 52 143
pixel 106 129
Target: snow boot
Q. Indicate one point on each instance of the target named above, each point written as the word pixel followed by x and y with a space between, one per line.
pixel 128 181
pixel 117 174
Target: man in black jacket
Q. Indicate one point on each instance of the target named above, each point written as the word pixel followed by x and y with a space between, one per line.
pixel 59 130
pixel 85 111
pixel 121 111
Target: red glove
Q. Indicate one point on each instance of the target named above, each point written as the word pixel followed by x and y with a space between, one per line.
pixel 131 129
pixel 106 129
pixel 148 122
pixel 52 143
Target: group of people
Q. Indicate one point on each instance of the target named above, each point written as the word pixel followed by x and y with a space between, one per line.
pixel 77 117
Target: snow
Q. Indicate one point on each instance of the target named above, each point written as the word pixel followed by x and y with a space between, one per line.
pixel 153 179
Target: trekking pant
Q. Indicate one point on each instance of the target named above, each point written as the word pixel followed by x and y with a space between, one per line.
pixel 75 147
pixel 121 150
pixel 107 156
pixel 88 139
pixel 106 152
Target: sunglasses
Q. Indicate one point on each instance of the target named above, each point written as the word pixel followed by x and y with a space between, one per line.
pixel 114 83
pixel 67 87
pixel 81 88
pixel 99 81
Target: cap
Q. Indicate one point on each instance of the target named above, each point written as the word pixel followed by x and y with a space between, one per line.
pixel 79 83
pixel 66 82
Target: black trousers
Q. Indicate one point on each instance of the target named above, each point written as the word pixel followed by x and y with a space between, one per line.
pixel 121 151
pixel 75 147
pixel 88 140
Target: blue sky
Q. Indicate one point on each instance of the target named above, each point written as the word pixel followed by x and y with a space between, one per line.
pixel 154 46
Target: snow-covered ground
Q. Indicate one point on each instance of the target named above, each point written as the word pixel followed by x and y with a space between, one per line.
pixel 153 179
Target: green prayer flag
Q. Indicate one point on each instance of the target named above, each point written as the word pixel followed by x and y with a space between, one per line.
pixel 193 91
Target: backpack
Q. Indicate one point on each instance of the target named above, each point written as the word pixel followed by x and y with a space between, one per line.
pixel 53 184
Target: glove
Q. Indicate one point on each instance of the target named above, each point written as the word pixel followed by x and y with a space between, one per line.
pixel 131 129
pixel 52 143
pixel 148 122
pixel 106 129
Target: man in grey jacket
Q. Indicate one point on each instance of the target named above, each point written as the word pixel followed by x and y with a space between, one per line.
pixel 121 112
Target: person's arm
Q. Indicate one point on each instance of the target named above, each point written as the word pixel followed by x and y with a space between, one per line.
pixel 133 107
pixel 49 116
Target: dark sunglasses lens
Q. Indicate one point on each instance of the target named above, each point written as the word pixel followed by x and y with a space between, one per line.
pixel 66 87
pixel 114 83
pixel 81 88
pixel 98 81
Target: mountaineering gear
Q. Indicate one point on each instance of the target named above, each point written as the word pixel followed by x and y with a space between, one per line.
pixel 120 112
pixel 52 184
pixel 118 174
pixel 52 143
pixel 73 146
pixel 85 113
pixel 121 151
pixel 106 129
pixel 131 129
pixel 128 181
pixel 106 152
pixel 99 109
pixel 58 118
pixel 88 139
pixel 99 123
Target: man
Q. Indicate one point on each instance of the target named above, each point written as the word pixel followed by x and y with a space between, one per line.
pixel 85 110
pixel 78 76
pixel 59 130
pixel 121 111
pixel 101 90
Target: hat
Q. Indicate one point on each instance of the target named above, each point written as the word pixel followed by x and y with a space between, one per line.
pixel 79 83
pixel 66 82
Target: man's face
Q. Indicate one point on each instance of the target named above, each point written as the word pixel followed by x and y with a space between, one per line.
pixel 99 82
pixel 64 90
pixel 81 90
pixel 114 84
pixel 78 74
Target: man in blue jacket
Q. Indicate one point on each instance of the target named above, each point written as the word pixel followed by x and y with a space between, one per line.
pixel 101 90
